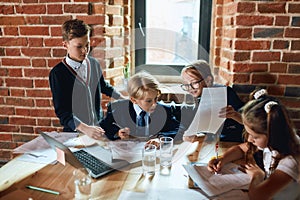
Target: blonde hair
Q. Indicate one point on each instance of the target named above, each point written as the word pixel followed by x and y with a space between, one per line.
pixel 140 83
pixel 199 69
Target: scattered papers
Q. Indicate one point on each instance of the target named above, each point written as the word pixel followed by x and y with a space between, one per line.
pixel 83 140
pixel 131 151
pixel 206 118
pixel 38 150
pixel 45 156
pixel 39 143
pixel 216 184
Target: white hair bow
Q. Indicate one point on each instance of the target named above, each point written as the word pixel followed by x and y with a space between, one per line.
pixel 259 93
pixel 269 105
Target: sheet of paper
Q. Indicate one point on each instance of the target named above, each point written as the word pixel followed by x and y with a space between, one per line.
pixel 40 143
pixel 216 184
pixel 131 151
pixel 45 156
pixel 206 118
pixel 162 194
pixel 83 140
pixel 233 195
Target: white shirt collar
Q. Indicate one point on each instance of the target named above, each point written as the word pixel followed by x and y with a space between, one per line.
pixel 137 109
pixel 79 67
pixel 72 63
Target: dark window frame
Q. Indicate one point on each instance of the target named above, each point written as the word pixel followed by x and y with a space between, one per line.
pixel 140 40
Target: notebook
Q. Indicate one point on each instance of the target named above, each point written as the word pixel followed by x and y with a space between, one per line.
pixel 96 160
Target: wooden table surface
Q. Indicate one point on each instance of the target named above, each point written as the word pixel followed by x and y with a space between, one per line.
pixel 15 175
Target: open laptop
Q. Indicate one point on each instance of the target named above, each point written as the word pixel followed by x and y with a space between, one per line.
pixel 95 159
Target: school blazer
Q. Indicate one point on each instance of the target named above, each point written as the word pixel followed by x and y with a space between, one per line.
pixel 122 112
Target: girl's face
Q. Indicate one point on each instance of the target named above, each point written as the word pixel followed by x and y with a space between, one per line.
pixel 193 84
pixel 258 139
pixel 148 103
pixel 78 48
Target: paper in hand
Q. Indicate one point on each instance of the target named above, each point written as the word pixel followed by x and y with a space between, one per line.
pixel 207 116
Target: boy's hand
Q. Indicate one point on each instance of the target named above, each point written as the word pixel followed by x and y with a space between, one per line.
pixel 124 133
pixel 192 138
pixel 229 112
pixel 154 142
pixel 95 132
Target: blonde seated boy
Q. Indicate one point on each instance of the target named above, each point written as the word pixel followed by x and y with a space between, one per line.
pixel 141 115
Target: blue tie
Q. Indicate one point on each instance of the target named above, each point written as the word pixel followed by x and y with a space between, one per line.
pixel 141 119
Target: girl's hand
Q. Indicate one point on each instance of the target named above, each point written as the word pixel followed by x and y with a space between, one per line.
pixel 254 170
pixel 124 133
pixel 215 165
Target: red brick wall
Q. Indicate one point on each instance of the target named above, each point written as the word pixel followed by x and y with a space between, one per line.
pixel 31 44
pixel 257 43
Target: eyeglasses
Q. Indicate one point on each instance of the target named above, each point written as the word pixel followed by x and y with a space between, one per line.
pixel 193 85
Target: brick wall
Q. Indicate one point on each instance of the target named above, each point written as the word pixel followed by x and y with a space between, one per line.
pixel 31 44
pixel 257 43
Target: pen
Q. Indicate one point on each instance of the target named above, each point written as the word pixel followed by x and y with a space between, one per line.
pixel 119 126
pixel 217 154
pixel 42 189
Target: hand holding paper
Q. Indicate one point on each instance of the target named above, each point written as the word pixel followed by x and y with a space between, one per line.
pixel 207 116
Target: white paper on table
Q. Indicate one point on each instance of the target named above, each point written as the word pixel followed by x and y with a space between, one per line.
pixel 206 118
pixel 40 143
pixel 216 184
pixel 83 140
pixel 131 151
pixel 45 156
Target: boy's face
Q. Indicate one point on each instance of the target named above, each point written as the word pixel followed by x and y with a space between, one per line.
pixel 197 84
pixel 148 103
pixel 78 48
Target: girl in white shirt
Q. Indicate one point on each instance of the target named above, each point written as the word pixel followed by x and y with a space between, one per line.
pixel 269 129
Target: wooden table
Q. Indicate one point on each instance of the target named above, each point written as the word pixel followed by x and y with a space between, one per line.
pixel 15 175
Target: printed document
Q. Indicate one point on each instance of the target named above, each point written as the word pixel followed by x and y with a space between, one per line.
pixel 215 184
pixel 206 118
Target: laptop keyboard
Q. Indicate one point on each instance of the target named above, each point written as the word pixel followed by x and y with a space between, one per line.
pixel 92 163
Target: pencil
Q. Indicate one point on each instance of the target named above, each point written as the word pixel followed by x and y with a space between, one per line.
pixel 119 126
pixel 217 154
pixel 42 189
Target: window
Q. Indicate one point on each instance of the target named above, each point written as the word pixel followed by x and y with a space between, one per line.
pixel 170 34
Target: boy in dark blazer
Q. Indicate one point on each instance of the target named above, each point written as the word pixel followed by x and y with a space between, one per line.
pixel 141 115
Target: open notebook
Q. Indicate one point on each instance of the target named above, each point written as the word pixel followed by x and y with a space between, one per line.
pixel 96 160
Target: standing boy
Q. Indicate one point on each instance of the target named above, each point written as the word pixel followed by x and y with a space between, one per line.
pixel 141 116
pixel 77 83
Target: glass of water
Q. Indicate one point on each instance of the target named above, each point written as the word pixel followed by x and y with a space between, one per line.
pixel 149 159
pixel 166 154
pixel 83 183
